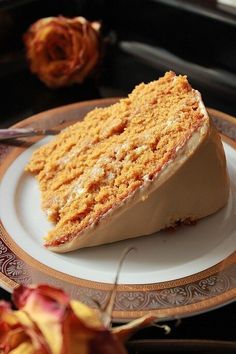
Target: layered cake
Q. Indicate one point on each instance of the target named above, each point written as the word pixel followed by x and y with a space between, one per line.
pixel 148 162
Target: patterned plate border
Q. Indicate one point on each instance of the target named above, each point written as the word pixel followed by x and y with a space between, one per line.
pixel 199 292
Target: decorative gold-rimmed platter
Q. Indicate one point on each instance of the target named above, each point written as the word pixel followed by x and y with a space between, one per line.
pixel 172 274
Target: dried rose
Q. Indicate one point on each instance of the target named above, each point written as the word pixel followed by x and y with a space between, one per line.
pixel 63 51
pixel 48 322
pixel 68 326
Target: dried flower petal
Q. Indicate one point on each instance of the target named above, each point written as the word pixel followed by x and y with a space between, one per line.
pixel 125 331
pixel 18 334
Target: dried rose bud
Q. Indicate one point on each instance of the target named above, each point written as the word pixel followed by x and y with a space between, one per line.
pixel 63 51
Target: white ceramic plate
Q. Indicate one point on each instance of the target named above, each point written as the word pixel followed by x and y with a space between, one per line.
pixel 171 273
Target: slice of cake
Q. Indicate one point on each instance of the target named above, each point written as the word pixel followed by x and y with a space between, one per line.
pixel 148 162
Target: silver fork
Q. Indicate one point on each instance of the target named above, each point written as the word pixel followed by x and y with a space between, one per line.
pixel 13 133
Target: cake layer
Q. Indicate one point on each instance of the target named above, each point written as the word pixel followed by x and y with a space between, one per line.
pixel 133 168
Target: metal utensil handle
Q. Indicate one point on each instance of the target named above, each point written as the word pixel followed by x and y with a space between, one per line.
pixel 14 133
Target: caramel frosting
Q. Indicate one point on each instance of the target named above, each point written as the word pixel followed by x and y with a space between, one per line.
pixel 193 185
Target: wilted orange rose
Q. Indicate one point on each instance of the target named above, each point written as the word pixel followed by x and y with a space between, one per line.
pixel 48 322
pixel 63 51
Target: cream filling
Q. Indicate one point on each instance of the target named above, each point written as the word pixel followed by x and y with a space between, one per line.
pixel 195 184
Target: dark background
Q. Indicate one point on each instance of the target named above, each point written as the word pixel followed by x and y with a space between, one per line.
pixel 143 39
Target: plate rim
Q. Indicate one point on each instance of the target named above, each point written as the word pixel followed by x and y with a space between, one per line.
pixel 26 261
